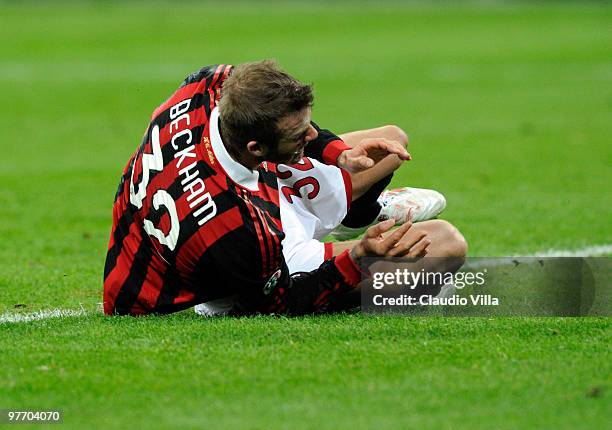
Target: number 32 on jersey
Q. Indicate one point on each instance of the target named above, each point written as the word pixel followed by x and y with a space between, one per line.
pixel 308 181
pixel 155 162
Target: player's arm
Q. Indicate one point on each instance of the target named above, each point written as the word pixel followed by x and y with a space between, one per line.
pixel 281 292
pixel 305 292
pixel 258 285
pixel 330 149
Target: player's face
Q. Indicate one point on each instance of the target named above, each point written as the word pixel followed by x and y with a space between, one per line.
pixel 296 132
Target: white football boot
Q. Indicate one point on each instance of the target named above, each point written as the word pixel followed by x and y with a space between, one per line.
pixel 396 204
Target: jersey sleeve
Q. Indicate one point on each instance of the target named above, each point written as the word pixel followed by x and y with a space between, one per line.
pixel 326 147
pixel 235 283
pixel 307 292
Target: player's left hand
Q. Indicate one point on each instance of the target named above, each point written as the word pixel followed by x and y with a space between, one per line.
pixel 370 151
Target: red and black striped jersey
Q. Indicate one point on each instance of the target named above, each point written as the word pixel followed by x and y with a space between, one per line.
pixel 186 230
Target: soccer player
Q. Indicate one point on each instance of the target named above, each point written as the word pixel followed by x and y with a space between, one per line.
pixel 219 201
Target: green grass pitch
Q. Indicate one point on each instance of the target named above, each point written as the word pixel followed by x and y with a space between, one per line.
pixel 509 111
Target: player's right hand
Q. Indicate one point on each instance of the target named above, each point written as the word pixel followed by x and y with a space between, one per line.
pixel 370 151
pixel 402 242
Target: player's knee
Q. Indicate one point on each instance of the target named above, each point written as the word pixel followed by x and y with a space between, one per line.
pixel 393 132
pixel 450 245
pixel 454 243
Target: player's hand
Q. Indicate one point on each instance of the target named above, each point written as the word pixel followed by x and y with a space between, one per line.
pixel 402 242
pixel 370 151
pixel 413 244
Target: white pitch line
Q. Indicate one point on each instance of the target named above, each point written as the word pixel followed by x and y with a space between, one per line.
pixel 589 251
pixel 8 317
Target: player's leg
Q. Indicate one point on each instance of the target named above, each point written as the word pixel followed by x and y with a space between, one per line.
pixel 448 246
pixel 368 185
pixel 375 204
pixel 446 240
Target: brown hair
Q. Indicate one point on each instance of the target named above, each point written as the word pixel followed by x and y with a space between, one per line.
pixel 254 98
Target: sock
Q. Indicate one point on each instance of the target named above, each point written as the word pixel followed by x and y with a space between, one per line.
pixel 366 208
